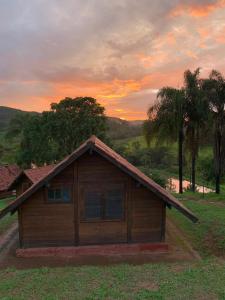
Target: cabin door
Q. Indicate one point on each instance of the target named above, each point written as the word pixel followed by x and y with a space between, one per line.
pixel 102 217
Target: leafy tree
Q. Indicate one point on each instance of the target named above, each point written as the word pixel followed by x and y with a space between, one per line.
pixel 206 169
pixel 72 121
pixel 1 150
pixel 196 117
pixel 17 125
pixel 214 88
pixel 155 175
pixel 48 137
pixel 37 146
pixel 166 122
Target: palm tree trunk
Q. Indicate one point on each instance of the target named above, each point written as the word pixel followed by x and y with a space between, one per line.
pixel 193 163
pixel 218 184
pixel 218 161
pixel 180 154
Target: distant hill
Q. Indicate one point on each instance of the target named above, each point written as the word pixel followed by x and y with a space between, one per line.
pixel 7 114
pixel 118 128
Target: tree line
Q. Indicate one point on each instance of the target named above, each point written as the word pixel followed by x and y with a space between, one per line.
pixel 187 116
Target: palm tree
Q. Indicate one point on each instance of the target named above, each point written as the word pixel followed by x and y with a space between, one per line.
pixel 196 118
pixel 214 87
pixel 166 120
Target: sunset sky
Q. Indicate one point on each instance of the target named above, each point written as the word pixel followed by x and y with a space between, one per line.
pixel 120 51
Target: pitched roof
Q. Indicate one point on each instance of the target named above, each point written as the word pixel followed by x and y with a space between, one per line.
pixel 37 173
pixel 98 146
pixel 7 175
pixel 33 175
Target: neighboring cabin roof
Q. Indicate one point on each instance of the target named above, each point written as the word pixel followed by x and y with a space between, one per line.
pixel 98 146
pixel 7 175
pixel 33 175
pixel 37 173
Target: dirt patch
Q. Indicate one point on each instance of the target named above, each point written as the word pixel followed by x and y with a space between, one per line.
pixel 150 286
pixel 211 243
pixel 178 268
pixel 8 236
pixel 215 203
pixel 205 295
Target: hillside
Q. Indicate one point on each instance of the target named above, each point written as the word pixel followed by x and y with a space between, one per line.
pixel 8 113
pixel 118 128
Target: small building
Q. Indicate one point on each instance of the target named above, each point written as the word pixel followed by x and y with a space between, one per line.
pixel 94 196
pixel 8 173
pixel 29 177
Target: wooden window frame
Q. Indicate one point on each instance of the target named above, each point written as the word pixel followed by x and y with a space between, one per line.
pixel 103 191
pixel 59 186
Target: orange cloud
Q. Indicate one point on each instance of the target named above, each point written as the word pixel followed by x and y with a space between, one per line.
pixel 119 89
pixel 191 54
pixel 220 36
pixel 128 114
pixel 196 10
pixel 151 60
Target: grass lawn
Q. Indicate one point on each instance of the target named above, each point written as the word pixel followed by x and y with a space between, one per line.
pixel 208 235
pixel 188 280
pixel 8 220
pixel 203 280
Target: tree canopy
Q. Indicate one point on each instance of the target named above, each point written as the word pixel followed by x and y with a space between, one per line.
pixel 51 135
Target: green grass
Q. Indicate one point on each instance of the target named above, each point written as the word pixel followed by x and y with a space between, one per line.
pixel 208 235
pixel 203 280
pixel 211 197
pixel 187 280
pixel 8 220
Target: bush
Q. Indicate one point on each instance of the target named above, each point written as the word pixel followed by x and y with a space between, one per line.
pixel 155 176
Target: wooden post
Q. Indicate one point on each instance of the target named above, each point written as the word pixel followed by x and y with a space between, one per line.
pixel 76 201
pixel 129 209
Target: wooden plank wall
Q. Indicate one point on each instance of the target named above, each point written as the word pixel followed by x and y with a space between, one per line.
pixel 48 224
pixel 96 171
pixel 20 187
pixel 148 215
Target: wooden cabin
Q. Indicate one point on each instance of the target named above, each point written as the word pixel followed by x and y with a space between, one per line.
pixel 8 173
pixel 94 196
pixel 29 177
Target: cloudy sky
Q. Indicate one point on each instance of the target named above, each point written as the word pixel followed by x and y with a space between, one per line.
pixel 119 51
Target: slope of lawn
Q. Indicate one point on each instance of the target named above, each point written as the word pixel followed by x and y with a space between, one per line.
pixel 208 235
pixel 8 220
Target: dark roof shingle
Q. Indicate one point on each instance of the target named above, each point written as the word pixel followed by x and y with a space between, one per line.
pixel 8 173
